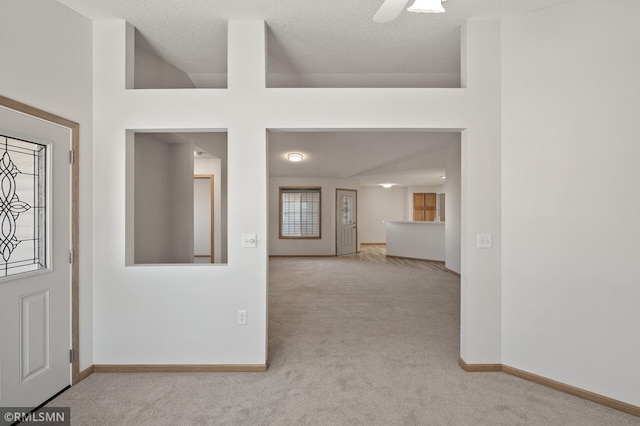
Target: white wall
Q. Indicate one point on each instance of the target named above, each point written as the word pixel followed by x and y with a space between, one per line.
pixel 163 206
pixel 571 97
pixel 480 321
pixel 151 72
pixel 216 144
pixel 202 214
pixel 134 301
pixel 181 187
pixel 452 203
pixel 46 63
pixel 187 314
pixel 376 206
pixel 152 198
pixel 416 240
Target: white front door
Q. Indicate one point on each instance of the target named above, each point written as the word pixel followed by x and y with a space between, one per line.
pixel 35 274
pixel 346 231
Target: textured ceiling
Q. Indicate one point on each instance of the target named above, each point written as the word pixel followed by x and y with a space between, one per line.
pixel 335 39
pixel 369 158
pixel 305 36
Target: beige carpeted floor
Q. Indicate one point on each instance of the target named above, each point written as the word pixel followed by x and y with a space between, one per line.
pixel 350 343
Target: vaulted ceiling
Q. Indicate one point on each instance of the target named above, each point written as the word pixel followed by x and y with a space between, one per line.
pixel 335 38
pixel 323 43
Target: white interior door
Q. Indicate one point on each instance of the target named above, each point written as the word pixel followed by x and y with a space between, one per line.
pixel 346 230
pixel 35 274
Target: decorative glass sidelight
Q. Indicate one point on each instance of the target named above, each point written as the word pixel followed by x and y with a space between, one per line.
pixel 23 210
pixel 347 210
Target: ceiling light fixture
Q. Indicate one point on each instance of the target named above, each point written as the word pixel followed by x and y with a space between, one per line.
pixel 294 156
pixel 387 185
pixel 427 6
pixel 443 177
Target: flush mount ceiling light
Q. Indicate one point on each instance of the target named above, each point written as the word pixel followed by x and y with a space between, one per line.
pixel 443 177
pixel 294 156
pixel 427 6
pixel 387 185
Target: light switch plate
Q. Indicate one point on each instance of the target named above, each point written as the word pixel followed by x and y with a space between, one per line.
pixel 484 241
pixel 249 240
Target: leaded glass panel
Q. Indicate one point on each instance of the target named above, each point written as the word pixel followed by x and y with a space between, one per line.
pixel 347 210
pixel 23 209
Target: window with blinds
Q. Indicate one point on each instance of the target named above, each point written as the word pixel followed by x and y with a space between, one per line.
pixel 300 212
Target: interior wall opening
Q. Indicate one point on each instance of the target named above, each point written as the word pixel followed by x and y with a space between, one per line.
pixel 176 198
pixel 396 63
pixel 170 64
pixel 387 169
pixel 156 67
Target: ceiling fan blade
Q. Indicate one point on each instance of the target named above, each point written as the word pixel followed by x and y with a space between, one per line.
pixel 389 10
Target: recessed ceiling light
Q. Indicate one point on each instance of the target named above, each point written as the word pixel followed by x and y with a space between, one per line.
pixel 294 156
pixel 443 177
pixel 387 185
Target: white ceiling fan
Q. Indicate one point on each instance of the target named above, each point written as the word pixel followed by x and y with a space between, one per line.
pixel 391 9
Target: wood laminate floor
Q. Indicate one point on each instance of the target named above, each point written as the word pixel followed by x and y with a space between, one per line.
pixel 378 254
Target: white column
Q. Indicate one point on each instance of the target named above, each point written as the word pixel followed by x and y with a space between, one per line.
pixel 480 333
pixel 247 159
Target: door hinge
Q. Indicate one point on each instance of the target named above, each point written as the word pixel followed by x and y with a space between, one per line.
pixel 70 355
pixel 71 257
pixel 71 156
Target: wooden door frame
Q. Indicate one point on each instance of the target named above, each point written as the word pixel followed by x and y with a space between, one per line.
pixel 74 128
pixel 212 192
pixel 335 213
